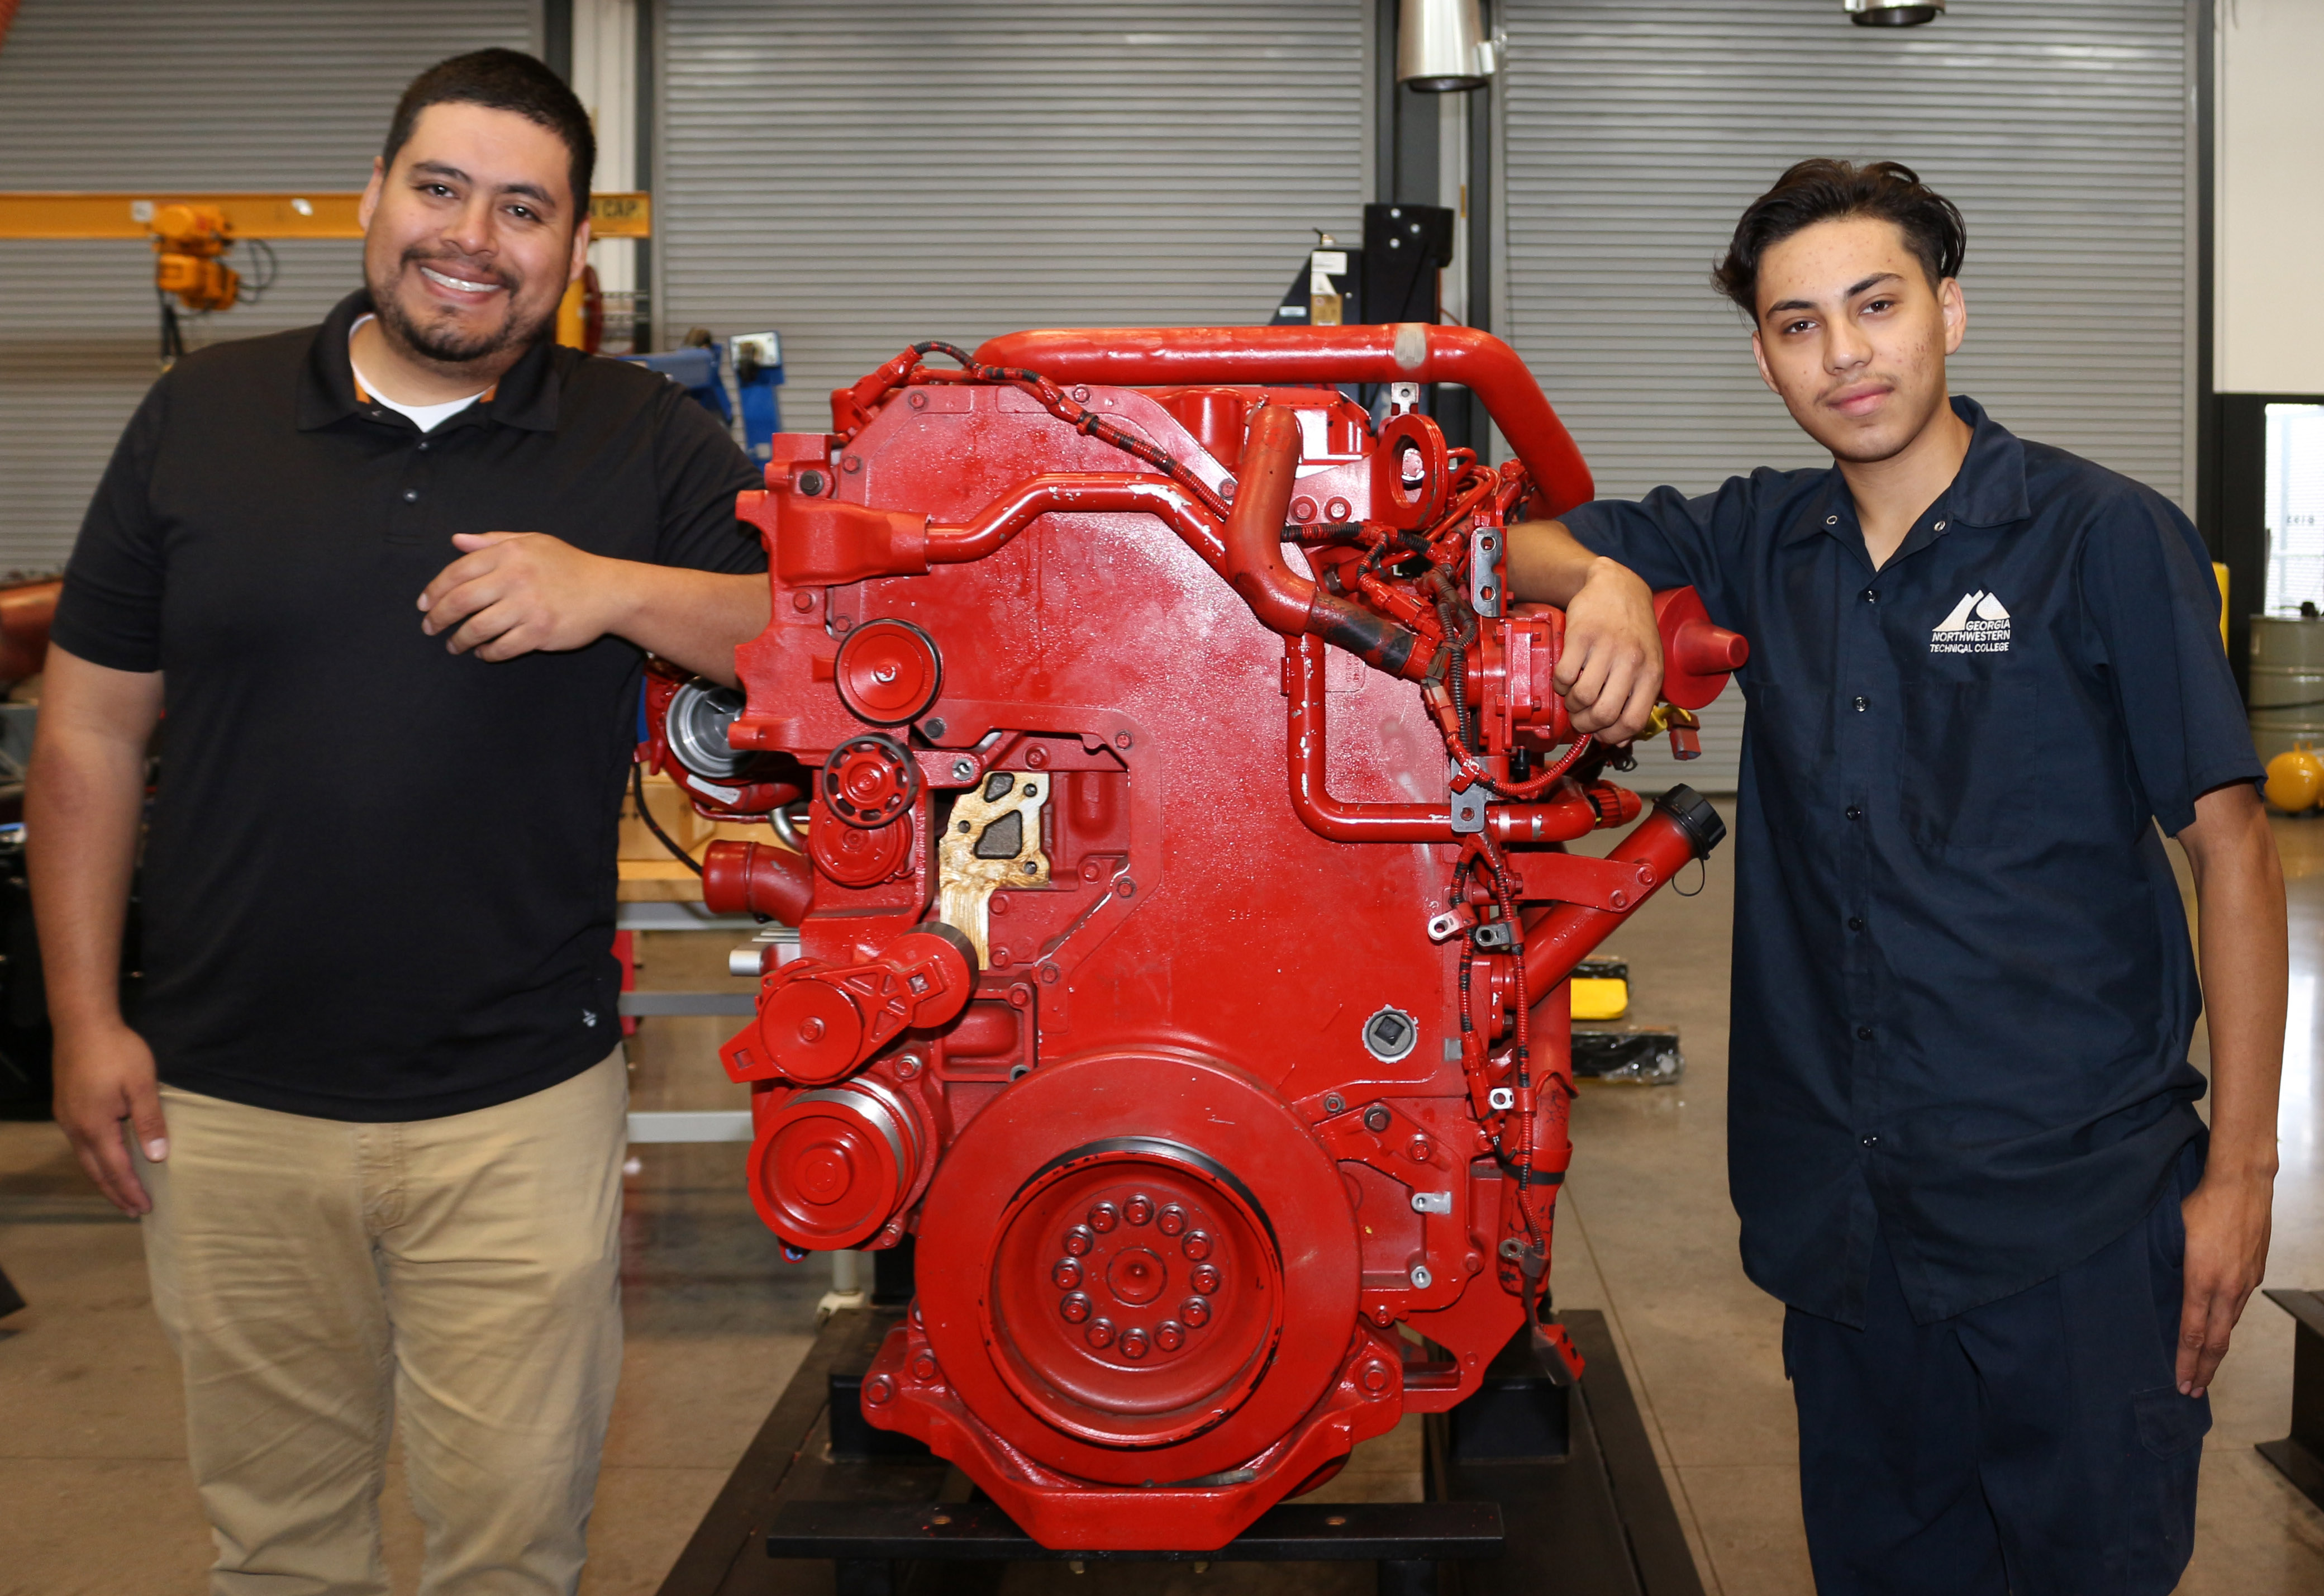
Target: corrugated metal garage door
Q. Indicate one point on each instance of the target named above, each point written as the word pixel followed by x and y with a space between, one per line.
pixel 1637 134
pixel 192 95
pixel 864 176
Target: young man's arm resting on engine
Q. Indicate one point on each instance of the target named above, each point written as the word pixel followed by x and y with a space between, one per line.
pixel 1610 669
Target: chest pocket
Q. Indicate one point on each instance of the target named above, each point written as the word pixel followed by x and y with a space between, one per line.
pixel 1966 778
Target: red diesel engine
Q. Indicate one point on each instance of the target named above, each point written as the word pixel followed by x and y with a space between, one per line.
pixel 1183 917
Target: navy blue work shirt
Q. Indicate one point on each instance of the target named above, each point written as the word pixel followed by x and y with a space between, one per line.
pixel 1963 983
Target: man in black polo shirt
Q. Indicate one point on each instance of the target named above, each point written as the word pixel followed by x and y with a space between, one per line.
pixel 1962 1135
pixel 390 577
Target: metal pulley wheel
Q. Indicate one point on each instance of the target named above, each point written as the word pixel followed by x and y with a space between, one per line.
pixel 831 1165
pixel 869 780
pixel 888 672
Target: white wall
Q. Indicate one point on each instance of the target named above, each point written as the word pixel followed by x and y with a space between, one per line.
pixel 606 79
pixel 2268 198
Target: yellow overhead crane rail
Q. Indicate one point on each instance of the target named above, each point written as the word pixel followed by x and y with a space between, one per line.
pixel 251 216
pixel 192 233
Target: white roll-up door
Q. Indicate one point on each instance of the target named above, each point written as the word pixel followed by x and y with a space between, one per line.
pixel 1636 133
pixel 192 95
pixel 864 176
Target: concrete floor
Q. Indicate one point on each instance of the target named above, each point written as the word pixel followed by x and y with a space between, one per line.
pixel 94 1496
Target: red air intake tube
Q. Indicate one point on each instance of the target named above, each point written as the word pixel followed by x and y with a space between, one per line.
pixel 756 878
pixel 1683 827
pixel 1320 356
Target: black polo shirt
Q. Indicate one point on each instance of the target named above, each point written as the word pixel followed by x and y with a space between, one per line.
pixel 379 877
pixel 1963 987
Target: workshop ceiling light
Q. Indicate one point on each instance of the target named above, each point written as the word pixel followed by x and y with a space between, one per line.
pixel 1440 46
pixel 1893 14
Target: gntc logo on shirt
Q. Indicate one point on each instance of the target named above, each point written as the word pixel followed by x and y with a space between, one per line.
pixel 1978 625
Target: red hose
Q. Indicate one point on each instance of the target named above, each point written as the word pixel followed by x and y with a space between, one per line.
pixel 1282 601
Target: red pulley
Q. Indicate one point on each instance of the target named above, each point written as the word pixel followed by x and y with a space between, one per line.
pixel 869 780
pixel 831 1166
pixel 816 1023
pixel 854 857
pixel 888 672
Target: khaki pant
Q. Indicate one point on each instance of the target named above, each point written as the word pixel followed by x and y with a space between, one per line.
pixel 320 1279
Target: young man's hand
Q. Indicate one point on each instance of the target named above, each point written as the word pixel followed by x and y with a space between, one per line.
pixel 512 592
pixel 104 1077
pixel 2227 1228
pixel 1611 667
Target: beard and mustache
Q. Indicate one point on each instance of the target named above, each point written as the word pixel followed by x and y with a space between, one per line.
pixel 446 343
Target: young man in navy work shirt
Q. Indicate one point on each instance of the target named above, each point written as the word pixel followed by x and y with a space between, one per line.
pixel 1962 1137
pixel 390 577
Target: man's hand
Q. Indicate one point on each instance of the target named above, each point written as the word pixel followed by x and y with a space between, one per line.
pixel 2227 1228
pixel 512 592
pixel 104 1078
pixel 1611 666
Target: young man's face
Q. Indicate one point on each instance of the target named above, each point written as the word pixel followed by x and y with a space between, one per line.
pixel 470 239
pixel 1853 337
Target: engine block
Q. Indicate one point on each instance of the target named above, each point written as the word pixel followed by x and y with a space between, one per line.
pixel 1182 914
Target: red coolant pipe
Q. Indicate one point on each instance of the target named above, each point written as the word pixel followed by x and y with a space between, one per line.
pixel 755 878
pixel 1284 601
pixel 1320 356
pixel 1082 493
pixel 1683 826
pixel 1561 819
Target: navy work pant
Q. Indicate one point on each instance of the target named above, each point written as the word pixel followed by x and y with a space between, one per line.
pixel 2035 1446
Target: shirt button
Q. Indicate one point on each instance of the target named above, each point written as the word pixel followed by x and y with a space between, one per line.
pixel 412 496
pixel 1855 812
pixel 1871 597
pixel 423 446
pixel 1863 1033
pixel 1938 528
pixel 1862 704
pixel 1831 521
pixel 1855 922
pixel 1871 1141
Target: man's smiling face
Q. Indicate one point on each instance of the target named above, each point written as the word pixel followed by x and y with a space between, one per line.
pixel 1853 337
pixel 470 239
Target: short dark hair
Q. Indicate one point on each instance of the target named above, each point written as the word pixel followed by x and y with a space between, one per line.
pixel 1822 191
pixel 503 80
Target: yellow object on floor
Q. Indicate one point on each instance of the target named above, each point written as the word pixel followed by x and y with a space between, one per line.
pixel 2295 780
pixel 1598 999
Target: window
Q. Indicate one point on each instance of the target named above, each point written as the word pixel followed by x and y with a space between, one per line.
pixel 2293 506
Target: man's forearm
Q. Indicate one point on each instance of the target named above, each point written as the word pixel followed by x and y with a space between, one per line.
pixel 694 619
pixel 2241 934
pixel 81 805
pixel 1547 564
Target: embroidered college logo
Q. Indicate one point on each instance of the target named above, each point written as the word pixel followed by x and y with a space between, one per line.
pixel 1978 625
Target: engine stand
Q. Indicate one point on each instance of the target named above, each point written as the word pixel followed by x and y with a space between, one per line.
pixel 2300 1455
pixel 1529 1487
